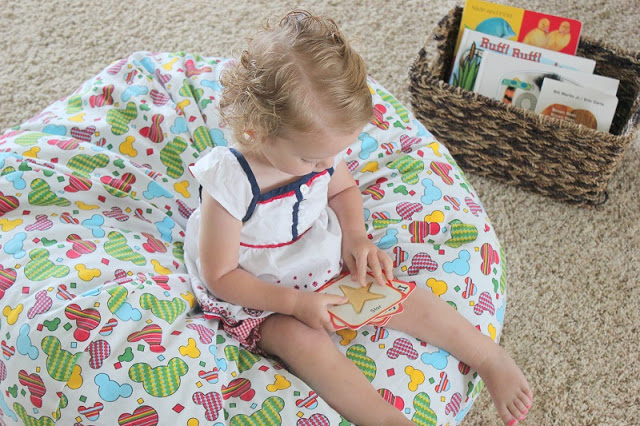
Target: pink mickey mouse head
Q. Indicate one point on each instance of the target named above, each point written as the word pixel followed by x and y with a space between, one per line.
pixel 212 403
pixel 453 406
pixel 406 210
pixel 407 141
pixel 83 134
pixel 42 305
pixel 315 420
pixel 402 346
pixel 205 333
pixel 485 304
pixel 422 261
pixel 42 223
pixel 99 350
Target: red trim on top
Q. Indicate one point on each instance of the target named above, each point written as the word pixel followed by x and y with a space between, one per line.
pixel 274 245
pixel 291 193
pixel 277 197
pixel 324 172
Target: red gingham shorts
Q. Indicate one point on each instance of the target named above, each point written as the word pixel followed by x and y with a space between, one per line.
pixel 247 332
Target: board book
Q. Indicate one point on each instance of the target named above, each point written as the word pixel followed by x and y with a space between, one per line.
pixel 580 105
pixel 543 30
pixel 518 82
pixel 474 43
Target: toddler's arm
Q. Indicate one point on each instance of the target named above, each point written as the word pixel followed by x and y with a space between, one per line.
pixel 219 243
pixel 358 251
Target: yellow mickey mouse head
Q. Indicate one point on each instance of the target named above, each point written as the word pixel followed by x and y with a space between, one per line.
pixel 127 148
pixel 12 314
pixel 437 287
pixel 87 274
pixel 191 350
pixel 416 378
pixel 281 383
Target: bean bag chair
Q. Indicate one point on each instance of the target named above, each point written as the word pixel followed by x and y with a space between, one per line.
pixel 99 324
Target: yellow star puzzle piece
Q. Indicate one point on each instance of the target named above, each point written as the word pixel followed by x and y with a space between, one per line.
pixel 357 296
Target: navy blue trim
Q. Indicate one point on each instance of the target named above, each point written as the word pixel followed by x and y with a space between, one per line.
pixel 293 186
pixel 294 218
pixel 255 189
pixel 330 170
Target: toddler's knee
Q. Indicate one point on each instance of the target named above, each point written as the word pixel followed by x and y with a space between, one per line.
pixel 288 333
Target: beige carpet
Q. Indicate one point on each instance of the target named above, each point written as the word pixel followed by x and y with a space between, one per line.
pixel 572 321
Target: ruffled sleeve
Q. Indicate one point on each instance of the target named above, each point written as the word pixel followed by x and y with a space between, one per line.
pixel 224 178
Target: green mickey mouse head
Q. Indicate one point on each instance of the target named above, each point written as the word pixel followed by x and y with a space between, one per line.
pixel 41 268
pixel 28 420
pixel 170 157
pixel 160 381
pixel 60 363
pixel 84 164
pixel 243 358
pixel 118 248
pixel 424 415
pixel 358 354
pixel 42 195
pixel 269 415
pixel 120 118
pixel 163 309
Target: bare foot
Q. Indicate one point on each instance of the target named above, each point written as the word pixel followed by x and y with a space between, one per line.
pixel 507 386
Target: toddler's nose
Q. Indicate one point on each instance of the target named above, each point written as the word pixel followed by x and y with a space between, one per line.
pixel 324 164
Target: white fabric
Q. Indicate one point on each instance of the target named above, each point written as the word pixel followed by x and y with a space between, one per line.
pixel 272 247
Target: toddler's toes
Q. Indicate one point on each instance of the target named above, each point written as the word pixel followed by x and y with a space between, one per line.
pixel 515 411
pixel 521 407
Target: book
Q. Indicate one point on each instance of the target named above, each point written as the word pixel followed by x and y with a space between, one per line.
pixel 543 30
pixel 474 43
pixel 580 105
pixel 518 82
pixel 372 304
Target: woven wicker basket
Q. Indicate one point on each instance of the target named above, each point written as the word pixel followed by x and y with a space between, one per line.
pixel 553 157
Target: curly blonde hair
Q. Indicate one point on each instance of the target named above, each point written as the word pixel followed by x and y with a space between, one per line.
pixel 299 74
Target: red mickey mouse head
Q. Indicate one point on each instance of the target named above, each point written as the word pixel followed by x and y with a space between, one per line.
pixel 35 384
pixel 7 278
pixel 86 320
pixel 212 403
pixel 7 203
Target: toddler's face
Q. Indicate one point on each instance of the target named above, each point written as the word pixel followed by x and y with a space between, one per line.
pixel 299 153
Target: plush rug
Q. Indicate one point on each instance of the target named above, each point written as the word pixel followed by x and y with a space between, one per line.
pixel 574 273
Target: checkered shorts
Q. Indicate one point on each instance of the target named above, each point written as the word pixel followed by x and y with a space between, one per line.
pixel 247 332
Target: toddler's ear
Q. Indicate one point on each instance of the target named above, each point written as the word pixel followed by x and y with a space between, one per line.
pixel 249 135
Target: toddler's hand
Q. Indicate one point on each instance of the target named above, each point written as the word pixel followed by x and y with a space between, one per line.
pixel 359 252
pixel 312 308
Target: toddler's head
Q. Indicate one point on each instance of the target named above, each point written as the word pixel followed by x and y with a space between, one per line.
pixel 298 75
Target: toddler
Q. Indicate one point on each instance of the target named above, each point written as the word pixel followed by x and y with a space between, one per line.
pixel 280 213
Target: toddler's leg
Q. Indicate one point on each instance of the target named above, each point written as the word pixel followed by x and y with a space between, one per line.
pixel 432 320
pixel 314 358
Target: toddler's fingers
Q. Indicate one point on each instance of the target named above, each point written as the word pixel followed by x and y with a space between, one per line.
pixel 361 273
pixel 334 299
pixel 387 264
pixel 350 262
pixel 374 264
